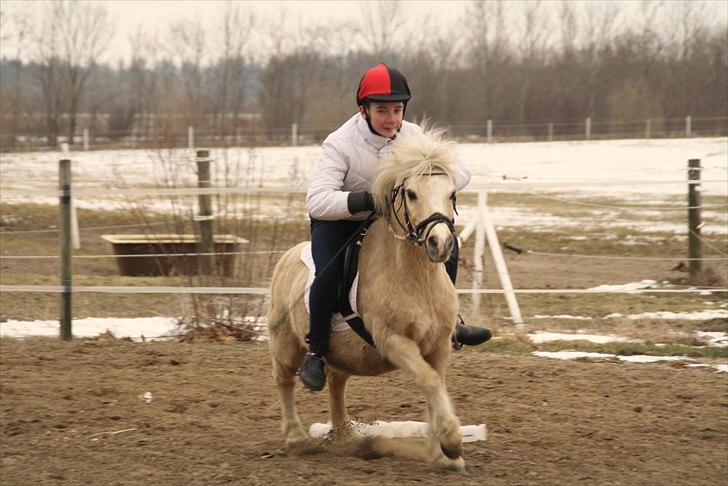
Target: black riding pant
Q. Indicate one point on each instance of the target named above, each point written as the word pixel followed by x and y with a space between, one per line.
pixel 327 240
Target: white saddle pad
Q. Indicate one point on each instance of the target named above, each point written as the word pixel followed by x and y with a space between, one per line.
pixel 339 324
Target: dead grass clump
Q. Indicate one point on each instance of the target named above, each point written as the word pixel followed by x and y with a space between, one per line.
pixel 227 331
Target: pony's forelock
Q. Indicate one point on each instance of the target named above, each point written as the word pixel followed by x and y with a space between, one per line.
pixel 412 156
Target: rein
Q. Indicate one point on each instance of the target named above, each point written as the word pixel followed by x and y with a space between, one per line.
pixel 417 234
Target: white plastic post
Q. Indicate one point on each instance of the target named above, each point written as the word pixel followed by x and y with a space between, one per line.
pixel 294 134
pixel 478 254
pixel 588 128
pixel 500 263
pixel 688 126
pixel 191 138
pixel 489 131
pixel 85 139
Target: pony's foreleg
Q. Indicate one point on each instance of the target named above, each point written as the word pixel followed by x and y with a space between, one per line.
pixel 444 424
pixel 292 428
pixel 337 398
pixel 438 359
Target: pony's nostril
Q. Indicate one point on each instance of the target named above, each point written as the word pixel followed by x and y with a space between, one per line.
pixel 432 242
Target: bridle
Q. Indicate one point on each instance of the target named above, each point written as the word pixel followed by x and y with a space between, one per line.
pixel 418 233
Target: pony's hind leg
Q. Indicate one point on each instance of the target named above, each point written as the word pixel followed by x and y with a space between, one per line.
pixel 287 353
pixel 337 398
pixel 285 376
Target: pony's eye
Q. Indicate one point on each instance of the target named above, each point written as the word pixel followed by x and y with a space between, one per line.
pixel 411 195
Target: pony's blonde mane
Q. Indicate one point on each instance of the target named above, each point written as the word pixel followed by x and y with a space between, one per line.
pixel 412 156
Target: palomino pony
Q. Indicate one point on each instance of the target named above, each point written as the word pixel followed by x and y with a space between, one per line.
pixel 405 298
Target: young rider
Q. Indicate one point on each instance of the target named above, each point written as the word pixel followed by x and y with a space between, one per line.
pixel 338 200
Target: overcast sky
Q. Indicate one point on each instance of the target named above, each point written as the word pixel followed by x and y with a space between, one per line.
pixel 154 16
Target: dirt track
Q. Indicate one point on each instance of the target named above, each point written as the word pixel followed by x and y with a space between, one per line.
pixel 214 419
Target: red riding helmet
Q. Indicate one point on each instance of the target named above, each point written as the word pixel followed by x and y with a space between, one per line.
pixel 382 83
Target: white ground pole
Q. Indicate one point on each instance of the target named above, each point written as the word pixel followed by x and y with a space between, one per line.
pixel 389 430
pixel 482 226
pixel 85 140
pixel 75 233
pixel 191 138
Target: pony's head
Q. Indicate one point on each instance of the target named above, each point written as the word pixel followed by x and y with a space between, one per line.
pixel 415 191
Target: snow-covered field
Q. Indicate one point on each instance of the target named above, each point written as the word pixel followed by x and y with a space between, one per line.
pixel 630 161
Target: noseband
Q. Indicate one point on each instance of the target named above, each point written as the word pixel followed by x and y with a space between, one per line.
pixel 418 234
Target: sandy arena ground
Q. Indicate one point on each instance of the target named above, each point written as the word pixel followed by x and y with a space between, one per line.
pixel 72 413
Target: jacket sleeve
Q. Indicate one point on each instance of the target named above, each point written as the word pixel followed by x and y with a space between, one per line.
pixel 325 199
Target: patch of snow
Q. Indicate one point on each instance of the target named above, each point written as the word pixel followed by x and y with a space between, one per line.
pixel 687 316
pixel 570 354
pixel 544 337
pixel 644 284
pixel 716 339
pixel 638 358
pixel 149 327
pixel 643 358
pixel 562 316
pixel 135 328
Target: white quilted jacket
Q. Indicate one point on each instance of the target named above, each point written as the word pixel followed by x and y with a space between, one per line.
pixel 348 163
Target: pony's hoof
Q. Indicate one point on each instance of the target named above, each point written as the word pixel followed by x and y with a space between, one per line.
pixel 452 464
pixel 452 452
pixel 295 436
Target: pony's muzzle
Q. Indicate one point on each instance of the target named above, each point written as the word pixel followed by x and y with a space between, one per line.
pixel 439 247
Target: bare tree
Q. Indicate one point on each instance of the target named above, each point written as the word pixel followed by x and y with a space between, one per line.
pixel 488 48
pixel 237 27
pixel 187 43
pixel 47 39
pixel 601 20
pixel 380 22
pixel 531 46
pixel 14 29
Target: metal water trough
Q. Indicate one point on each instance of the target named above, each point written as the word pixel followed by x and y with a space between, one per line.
pixel 175 264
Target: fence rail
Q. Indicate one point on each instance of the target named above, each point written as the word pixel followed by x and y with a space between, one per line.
pixel 301 134
pixel 481 226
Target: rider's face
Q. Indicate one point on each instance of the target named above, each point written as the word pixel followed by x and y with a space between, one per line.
pixel 385 116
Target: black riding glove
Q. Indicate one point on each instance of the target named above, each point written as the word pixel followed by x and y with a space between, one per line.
pixel 360 201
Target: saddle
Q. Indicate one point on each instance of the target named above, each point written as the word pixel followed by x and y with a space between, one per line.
pixel 348 275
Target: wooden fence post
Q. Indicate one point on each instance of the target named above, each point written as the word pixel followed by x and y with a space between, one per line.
pixel 695 251
pixel 66 248
pixel 205 217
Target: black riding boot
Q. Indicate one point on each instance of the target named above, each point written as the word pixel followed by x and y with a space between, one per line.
pixel 313 372
pixel 469 335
